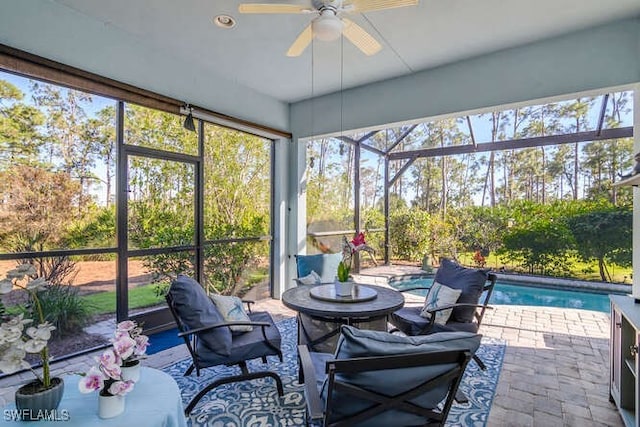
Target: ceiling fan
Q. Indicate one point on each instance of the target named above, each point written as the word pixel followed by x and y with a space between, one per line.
pixel 328 25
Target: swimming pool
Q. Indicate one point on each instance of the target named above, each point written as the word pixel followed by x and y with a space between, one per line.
pixel 527 294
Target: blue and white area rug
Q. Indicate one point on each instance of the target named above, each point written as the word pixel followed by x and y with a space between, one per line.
pixel 256 403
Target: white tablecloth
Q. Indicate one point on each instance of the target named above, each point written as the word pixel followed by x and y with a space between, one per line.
pixel 155 401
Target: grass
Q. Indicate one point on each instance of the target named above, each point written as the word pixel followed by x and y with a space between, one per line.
pixel 145 296
pixel 577 269
pixel 105 302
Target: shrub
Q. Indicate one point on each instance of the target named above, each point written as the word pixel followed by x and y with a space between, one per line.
pixel 64 308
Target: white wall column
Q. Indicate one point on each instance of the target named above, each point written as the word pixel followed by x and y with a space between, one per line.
pixel 296 226
pixel 280 215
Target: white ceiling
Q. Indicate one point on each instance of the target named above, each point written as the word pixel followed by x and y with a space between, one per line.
pixel 252 54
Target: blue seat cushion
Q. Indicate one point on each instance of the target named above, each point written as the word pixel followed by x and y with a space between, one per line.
pixel 246 345
pixel 325 265
pixel 409 321
pixel 470 280
pixel 355 342
pixel 196 310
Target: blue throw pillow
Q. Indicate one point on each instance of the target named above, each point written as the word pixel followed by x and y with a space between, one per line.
pixel 196 310
pixel 325 265
pixel 470 280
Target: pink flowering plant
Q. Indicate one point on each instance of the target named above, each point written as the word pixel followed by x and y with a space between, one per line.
pixel 129 343
pixel 129 346
pixel 349 248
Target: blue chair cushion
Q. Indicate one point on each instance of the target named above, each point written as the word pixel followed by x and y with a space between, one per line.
pixel 196 310
pixel 355 342
pixel 325 265
pixel 470 280
pixel 409 321
pixel 246 345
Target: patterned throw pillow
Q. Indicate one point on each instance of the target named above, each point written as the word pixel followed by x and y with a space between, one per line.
pixel 440 295
pixel 231 309
pixel 311 279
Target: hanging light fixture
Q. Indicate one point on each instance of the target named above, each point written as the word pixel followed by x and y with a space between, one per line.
pixel 188 121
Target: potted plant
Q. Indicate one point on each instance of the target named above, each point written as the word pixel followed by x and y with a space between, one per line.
pixel 107 377
pixel 344 284
pixel 118 369
pixel 19 336
pixel 131 346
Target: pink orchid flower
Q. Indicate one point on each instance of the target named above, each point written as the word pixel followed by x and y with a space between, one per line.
pixel 111 371
pixel 124 346
pixel 93 380
pixel 358 240
pixel 126 326
pixel 142 342
pixel 109 357
pixel 120 388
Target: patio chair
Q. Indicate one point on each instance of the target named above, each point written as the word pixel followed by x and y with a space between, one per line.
pixel 379 379
pixel 466 313
pixel 325 267
pixel 211 342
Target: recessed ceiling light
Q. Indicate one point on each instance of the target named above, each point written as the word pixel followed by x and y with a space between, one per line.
pixel 224 21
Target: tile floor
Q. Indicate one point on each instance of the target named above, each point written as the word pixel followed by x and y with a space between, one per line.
pixel 555 372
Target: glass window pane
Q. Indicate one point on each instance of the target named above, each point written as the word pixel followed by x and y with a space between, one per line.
pixel 161 203
pixel 150 277
pixel 57 167
pixel 233 268
pixel 80 300
pixel 150 128
pixel 237 193
pixel 330 164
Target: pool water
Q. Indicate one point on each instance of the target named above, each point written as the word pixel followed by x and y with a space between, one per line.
pixel 508 294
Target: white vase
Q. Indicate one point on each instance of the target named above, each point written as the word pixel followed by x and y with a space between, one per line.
pixel 343 289
pixel 110 406
pixel 131 373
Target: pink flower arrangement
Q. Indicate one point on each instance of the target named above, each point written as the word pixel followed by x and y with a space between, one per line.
pixel 129 346
pixel 349 248
pixel 106 377
pixel 129 343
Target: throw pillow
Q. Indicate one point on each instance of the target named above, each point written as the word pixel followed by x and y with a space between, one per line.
pixel 470 280
pixel 440 295
pixel 326 265
pixel 196 311
pixel 311 279
pixel 232 311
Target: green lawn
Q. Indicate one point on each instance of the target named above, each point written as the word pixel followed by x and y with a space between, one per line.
pixel 577 268
pixel 105 302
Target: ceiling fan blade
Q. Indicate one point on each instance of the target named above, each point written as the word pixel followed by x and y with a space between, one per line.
pixel 271 8
pixel 360 38
pixel 301 43
pixel 370 5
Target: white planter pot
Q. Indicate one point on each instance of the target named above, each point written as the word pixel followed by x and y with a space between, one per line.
pixel 110 406
pixel 344 289
pixel 131 373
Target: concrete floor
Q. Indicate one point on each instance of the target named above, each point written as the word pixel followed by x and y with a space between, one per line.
pixel 555 372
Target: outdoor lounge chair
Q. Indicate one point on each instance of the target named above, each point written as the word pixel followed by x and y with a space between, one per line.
pixel 324 265
pixel 211 342
pixel 379 379
pixel 467 313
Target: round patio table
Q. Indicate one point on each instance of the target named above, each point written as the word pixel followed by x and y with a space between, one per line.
pixel 319 320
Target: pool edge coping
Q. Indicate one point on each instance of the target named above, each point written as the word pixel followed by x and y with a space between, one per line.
pixel 550 282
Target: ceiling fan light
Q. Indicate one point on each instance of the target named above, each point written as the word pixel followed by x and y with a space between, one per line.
pixel 327 28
